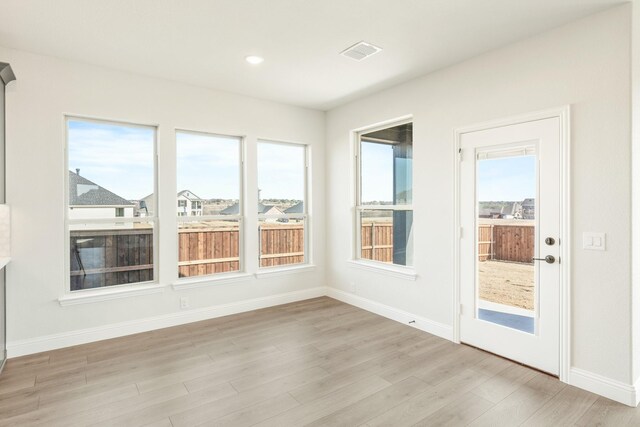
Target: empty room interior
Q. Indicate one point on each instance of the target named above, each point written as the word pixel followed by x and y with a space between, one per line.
pixel 447 228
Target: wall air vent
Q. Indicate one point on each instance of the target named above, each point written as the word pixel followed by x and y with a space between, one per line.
pixel 360 51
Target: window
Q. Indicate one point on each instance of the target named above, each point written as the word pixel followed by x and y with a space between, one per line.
pixel 209 169
pixel 384 213
pixel 282 205
pixel 111 194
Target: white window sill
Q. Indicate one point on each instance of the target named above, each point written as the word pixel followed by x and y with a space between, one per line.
pixel 400 272
pixel 106 294
pixel 210 280
pixel 4 261
pixel 280 271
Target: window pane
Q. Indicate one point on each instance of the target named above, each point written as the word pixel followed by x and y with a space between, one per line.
pixel 110 254
pixel 386 178
pixel 111 170
pixel 208 174
pixel 386 166
pixel 281 241
pixel 386 236
pixel 281 178
pixel 208 247
pixel 506 230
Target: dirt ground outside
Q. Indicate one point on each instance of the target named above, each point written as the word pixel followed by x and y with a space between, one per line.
pixel 507 283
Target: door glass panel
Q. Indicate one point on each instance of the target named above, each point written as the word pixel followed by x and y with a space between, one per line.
pixel 506 280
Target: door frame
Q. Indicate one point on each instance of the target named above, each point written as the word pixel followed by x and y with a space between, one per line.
pixel 563 114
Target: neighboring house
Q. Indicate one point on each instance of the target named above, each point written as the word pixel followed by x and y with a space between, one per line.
pixel 511 210
pixel 88 200
pixel 189 204
pixel 233 209
pixel 145 206
pixel 502 210
pixel 529 209
pixel 489 213
pixel 298 208
pixel 262 210
pixel 268 210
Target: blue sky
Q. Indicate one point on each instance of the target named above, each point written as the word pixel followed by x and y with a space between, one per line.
pixel 507 179
pixel 208 165
pixel 376 166
pixel 281 171
pixel 118 158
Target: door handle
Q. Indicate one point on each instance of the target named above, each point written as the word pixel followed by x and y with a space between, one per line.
pixel 549 259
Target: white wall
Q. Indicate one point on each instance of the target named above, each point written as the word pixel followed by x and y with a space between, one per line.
pixel 635 209
pixel 46 89
pixel 585 64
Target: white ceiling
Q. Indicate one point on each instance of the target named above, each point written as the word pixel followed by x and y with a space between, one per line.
pixel 204 42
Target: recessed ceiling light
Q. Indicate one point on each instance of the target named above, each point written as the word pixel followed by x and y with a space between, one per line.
pixel 254 60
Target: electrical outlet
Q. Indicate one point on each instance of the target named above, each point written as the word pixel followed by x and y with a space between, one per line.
pixel 184 302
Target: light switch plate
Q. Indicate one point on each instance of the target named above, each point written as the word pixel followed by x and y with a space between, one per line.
pixel 594 241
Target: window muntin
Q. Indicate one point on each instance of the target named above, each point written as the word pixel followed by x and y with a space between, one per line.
pixel 209 175
pixel 111 170
pixel 283 222
pixel 384 212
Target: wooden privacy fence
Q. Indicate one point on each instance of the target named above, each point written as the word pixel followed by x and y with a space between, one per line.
pixel 216 250
pixel 515 243
pixel 281 244
pixel 110 257
pixel 208 250
pixel 377 241
pixel 113 257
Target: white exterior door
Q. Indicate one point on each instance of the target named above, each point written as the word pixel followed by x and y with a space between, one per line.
pixel 510 214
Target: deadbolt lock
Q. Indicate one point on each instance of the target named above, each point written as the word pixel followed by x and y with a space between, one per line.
pixel 550 241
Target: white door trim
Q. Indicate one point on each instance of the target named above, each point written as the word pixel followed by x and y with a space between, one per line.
pixel 563 114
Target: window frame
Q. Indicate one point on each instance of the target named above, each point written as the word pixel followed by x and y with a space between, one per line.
pixel 240 217
pixel 359 208
pixel 68 294
pixel 306 218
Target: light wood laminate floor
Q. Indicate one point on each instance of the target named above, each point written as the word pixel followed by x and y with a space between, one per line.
pixel 317 362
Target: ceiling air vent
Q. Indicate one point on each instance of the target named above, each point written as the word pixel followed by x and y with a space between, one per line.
pixel 360 51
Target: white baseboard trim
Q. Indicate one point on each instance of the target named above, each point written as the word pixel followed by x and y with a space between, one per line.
pixel 422 323
pixel 611 389
pixel 83 336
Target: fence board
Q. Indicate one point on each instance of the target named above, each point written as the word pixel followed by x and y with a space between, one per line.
pixel 514 243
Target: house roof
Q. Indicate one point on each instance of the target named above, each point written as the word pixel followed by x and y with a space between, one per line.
pixel 188 194
pixel 298 208
pixel 267 209
pixel 234 209
pixel 83 192
pixel 262 209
